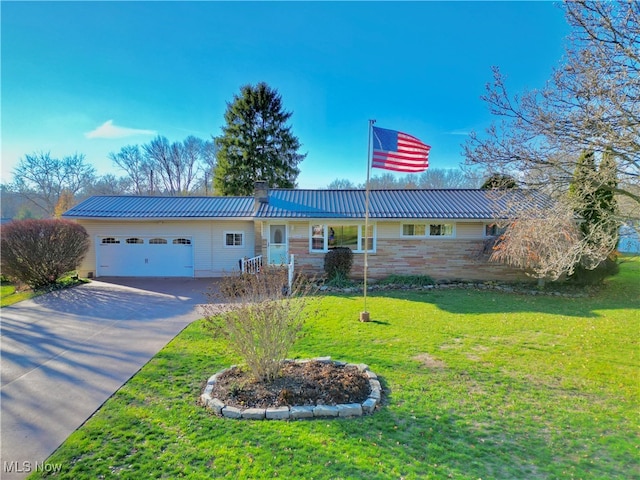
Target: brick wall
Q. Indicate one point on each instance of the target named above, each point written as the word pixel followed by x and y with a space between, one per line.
pixel 441 259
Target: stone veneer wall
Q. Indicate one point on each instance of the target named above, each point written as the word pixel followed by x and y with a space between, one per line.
pixel 441 259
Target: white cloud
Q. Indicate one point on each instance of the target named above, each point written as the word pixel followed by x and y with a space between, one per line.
pixel 109 130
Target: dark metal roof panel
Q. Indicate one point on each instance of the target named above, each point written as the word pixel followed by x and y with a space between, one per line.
pixel 391 204
pixel 162 207
pixel 293 203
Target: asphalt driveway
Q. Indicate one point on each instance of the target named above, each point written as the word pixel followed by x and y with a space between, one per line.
pixel 65 353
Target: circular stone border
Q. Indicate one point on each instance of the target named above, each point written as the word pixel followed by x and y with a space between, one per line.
pixel 301 411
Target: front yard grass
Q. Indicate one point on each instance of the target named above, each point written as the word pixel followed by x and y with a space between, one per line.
pixel 9 295
pixel 479 384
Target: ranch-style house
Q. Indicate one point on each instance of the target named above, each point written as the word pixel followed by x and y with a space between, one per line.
pixel 411 232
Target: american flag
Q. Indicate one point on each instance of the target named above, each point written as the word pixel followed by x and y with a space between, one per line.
pixel 398 151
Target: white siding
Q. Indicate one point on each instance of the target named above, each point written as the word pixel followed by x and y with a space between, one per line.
pixel 211 258
pixel 469 230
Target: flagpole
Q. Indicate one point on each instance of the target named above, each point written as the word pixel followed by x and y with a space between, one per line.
pixel 364 316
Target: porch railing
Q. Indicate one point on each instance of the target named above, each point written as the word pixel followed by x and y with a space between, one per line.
pixel 254 265
pixel 290 267
pixel 251 265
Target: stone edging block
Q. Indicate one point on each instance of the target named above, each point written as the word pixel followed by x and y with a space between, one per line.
pixel 298 411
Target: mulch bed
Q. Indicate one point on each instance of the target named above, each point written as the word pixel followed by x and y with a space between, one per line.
pixel 309 383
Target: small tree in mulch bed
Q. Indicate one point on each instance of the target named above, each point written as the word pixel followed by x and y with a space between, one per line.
pixel 263 320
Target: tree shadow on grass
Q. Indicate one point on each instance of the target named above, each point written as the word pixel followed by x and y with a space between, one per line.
pixel 467 301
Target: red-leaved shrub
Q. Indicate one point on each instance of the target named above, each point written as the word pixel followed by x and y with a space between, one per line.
pixel 38 252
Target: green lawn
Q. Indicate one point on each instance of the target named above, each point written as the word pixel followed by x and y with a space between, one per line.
pixel 9 295
pixel 479 385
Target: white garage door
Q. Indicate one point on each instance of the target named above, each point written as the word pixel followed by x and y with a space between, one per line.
pixel 135 256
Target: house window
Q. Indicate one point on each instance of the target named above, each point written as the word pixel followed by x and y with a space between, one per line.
pixel 181 241
pixel 493 230
pixel 233 239
pixel 317 238
pixel 158 241
pixel 326 237
pixel 414 229
pixel 110 240
pixel 343 236
pixel 441 230
pixel 134 241
pixel 366 239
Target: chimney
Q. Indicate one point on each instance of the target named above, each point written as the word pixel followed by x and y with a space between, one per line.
pixel 260 194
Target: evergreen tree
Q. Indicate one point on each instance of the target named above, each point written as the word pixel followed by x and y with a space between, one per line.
pixel 499 181
pixel 582 190
pixel 256 144
pixel 606 193
pixel 592 193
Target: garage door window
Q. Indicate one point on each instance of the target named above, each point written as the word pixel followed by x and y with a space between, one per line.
pixel 134 241
pixel 181 241
pixel 110 240
pixel 158 241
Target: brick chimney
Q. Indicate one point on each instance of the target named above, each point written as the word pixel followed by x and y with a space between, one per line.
pixel 260 194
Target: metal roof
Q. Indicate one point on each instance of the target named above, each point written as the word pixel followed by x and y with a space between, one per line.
pixel 391 204
pixel 294 203
pixel 162 207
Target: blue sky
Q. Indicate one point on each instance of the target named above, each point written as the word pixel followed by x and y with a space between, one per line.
pixel 91 77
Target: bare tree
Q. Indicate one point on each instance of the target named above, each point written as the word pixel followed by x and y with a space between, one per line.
pixel 41 179
pixel 432 178
pixel 544 246
pixel 178 168
pixel 160 155
pixel 135 164
pixel 110 185
pixel 447 178
pixel 386 180
pixel 592 103
pixel 341 184
pixel 209 159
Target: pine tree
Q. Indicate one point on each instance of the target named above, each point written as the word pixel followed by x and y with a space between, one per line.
pixel 592 193
pixel 499 181
pixel 256 144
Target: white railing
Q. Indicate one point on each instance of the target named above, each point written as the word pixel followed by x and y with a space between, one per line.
pixel 254 265
pixel 290 277
pixel 251 265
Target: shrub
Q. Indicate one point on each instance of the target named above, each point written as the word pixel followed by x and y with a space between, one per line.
pixel 338 262
pixel 38 252
pixel 340 281
pixel 607 268
pixel 260 322
pixel 408 280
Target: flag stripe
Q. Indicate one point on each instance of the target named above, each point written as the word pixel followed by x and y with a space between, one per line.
pixel 399 151
pixel 399 163
pixel 400 156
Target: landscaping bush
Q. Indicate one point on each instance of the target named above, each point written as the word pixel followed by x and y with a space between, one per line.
pixel 606 268
pixel 407 280
pixel 340 281
pixel 38 252
pixel 338 261
pixel 261 320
